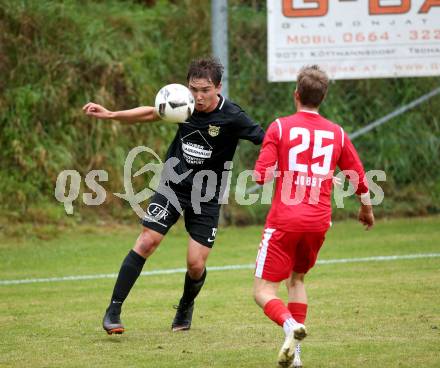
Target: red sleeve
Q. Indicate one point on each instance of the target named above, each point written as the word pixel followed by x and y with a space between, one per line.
pixel 349 160
pixel 266 163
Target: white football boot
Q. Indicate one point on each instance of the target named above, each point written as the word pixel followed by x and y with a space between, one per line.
pixel 297 358
pixel 287 352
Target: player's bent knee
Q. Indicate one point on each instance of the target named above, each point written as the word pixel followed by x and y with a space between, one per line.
pixel 261 298
pixel 147 242
pixel 296 278
pixel 195 269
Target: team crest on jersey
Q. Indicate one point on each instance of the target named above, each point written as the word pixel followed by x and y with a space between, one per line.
pixel 213 130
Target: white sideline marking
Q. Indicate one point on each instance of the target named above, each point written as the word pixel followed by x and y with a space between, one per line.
pixel 216 268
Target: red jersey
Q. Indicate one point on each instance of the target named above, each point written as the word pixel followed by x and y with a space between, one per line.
pixel 305 149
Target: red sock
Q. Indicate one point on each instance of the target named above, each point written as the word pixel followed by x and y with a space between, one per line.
pixel 298 311
pixel 277 311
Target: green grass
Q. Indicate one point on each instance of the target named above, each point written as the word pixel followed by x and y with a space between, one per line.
pixel 372 314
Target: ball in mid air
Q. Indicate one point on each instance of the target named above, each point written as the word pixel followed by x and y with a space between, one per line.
pixel 174 103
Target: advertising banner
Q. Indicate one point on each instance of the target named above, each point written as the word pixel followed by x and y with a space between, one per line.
pixel 354 39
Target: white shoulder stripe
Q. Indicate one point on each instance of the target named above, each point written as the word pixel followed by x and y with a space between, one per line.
pixel 279 127
pixel 342 131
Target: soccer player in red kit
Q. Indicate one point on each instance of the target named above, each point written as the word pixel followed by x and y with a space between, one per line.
pixel 302 151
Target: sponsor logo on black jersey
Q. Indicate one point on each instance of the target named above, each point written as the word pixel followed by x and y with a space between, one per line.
pixel 196 148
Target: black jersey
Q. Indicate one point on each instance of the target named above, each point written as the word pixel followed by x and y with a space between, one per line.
pixel 208 140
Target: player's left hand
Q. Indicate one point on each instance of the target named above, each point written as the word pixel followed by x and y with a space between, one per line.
pixel 366 216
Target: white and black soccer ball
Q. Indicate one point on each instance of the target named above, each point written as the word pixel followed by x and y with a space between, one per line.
pixel 174 103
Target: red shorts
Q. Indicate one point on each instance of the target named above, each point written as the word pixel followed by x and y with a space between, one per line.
pixel 282 252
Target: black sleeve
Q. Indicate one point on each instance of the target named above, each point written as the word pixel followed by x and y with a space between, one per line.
pixel 248 129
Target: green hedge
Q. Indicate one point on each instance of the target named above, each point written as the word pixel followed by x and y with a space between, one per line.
pixel 56 56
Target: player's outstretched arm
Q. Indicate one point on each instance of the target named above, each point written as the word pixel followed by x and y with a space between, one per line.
pixel 136 115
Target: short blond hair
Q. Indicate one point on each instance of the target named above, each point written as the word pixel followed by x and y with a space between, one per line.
pixel 311 85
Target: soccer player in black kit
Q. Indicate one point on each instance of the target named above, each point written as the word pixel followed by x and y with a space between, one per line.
pixel 207 141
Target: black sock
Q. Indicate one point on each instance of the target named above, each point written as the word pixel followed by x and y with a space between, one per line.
pixel 192 288
pixel 130 269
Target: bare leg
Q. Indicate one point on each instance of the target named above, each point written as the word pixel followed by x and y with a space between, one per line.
pixel 265 294
pixel 298 307
pixel 296 288
pixel 131 267
pixel 265 291
pixel 194 279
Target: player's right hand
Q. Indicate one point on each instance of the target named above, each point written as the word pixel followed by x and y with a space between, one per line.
pixel 97 111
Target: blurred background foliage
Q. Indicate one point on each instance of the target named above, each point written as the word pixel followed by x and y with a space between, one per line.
pixel 57 55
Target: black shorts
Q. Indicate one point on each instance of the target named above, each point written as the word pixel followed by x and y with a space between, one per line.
pixel 202 227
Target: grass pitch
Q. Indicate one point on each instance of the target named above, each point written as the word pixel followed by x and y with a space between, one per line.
pixel 364 314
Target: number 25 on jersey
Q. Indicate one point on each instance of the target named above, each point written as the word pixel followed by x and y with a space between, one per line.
pixel 318 150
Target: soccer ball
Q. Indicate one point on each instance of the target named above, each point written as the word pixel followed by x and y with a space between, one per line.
pixel 174 103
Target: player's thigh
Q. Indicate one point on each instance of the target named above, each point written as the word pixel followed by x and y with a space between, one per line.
pixel 276 255
pixel 307 251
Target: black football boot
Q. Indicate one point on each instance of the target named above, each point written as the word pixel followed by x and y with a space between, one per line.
pixel 183 318
pixel 112 322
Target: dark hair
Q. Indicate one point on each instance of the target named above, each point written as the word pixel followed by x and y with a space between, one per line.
pixel 207 68
pixel 311 85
